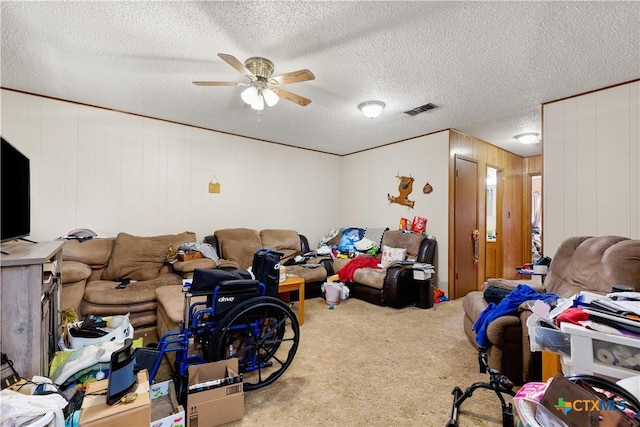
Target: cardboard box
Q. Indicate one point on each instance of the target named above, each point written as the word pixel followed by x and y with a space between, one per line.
pixel 223 403
pixel 165 410
pixel 96 413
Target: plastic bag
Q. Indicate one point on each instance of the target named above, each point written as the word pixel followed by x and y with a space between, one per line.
pixel 334 292
pixel 349 237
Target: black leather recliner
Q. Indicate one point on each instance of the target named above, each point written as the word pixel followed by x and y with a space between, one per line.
pixel 393 286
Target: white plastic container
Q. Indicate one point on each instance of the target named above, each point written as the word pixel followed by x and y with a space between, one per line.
pixel 594 352
pixel 332 293
pixel 119 329
pixel 547 339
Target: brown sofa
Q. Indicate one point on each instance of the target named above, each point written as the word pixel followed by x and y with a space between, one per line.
pixel 237 246
pixel 89 270
pixel 581 263
pixel 392 286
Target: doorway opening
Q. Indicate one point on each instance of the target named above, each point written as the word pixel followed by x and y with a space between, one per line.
pixel 536 217
pixel 493 224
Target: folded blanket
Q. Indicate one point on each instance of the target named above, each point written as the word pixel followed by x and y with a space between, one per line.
pixel 509 305
pixel 346 273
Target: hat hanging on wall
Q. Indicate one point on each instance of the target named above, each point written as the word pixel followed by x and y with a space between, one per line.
pixel 214 185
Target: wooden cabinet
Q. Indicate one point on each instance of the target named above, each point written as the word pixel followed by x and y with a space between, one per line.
pixel 30 303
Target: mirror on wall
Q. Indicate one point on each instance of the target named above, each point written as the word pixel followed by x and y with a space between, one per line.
pixel 536 217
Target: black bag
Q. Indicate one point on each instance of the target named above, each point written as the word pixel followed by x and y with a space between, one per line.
pixel 266 269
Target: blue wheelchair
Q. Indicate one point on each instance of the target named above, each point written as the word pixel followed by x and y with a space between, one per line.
pixel 240 317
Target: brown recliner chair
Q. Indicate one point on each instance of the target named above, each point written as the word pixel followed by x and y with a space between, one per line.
pixel 581 263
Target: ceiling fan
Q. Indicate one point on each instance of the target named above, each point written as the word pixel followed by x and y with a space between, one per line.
pixel 264 88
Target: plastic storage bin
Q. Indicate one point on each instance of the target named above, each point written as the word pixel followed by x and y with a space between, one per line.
pixel 118 327
pixel 597 353
pixel 547 339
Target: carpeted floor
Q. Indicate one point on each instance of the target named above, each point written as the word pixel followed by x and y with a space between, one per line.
pixel 364 365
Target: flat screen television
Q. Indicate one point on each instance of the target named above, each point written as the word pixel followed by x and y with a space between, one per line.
pixel 15 199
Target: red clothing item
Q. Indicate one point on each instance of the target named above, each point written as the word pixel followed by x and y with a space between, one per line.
pixel 346 273
pixel 573 315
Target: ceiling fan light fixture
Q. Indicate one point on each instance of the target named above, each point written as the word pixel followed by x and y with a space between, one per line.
pixel 258 104
pixel 371 109
pixel 528 138
pixel 270 97
pixel 249 95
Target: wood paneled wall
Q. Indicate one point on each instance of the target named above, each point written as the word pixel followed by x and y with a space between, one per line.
pixel 514 176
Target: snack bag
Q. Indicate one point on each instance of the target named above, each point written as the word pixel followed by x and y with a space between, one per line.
pixel 419 224
pixel 404 224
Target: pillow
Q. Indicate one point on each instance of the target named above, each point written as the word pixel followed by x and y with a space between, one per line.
pixel 364 244
pixel 390 254
pixel 138 258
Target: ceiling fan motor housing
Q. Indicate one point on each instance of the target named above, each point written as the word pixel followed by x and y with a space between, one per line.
pixel 260 67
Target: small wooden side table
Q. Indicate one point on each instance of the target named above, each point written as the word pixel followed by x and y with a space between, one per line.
pixel 295 283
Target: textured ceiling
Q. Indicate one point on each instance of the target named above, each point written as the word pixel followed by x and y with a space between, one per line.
pixel 487 65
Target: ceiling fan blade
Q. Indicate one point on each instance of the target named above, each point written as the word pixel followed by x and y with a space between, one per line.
pixel 290 96
pixel 239 66
pixel 215 83
pixel 293 77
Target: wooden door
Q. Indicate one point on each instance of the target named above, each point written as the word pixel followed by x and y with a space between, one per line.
pixel 465 222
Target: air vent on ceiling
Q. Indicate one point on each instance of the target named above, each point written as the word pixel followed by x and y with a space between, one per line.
pixel 421 109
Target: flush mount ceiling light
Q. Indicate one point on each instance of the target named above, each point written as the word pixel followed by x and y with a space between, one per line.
pixel 528 138
pixel 371 109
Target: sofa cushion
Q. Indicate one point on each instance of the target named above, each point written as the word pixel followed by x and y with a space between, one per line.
pixel 621 264
pixel 75 271
pixel 285 241
pixel 280 240
pixel 93 252
pixel 191 265
pixel 399 239
pixel 372 277
pixel 309 274
pixel 141 258
pixel 238 245
pixel 104 292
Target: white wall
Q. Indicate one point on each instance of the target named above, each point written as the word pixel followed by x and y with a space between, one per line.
pixel 112 172
pixel 591 159
pixel 368 177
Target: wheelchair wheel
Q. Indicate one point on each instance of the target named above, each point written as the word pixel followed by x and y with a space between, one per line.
pixel 263 333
